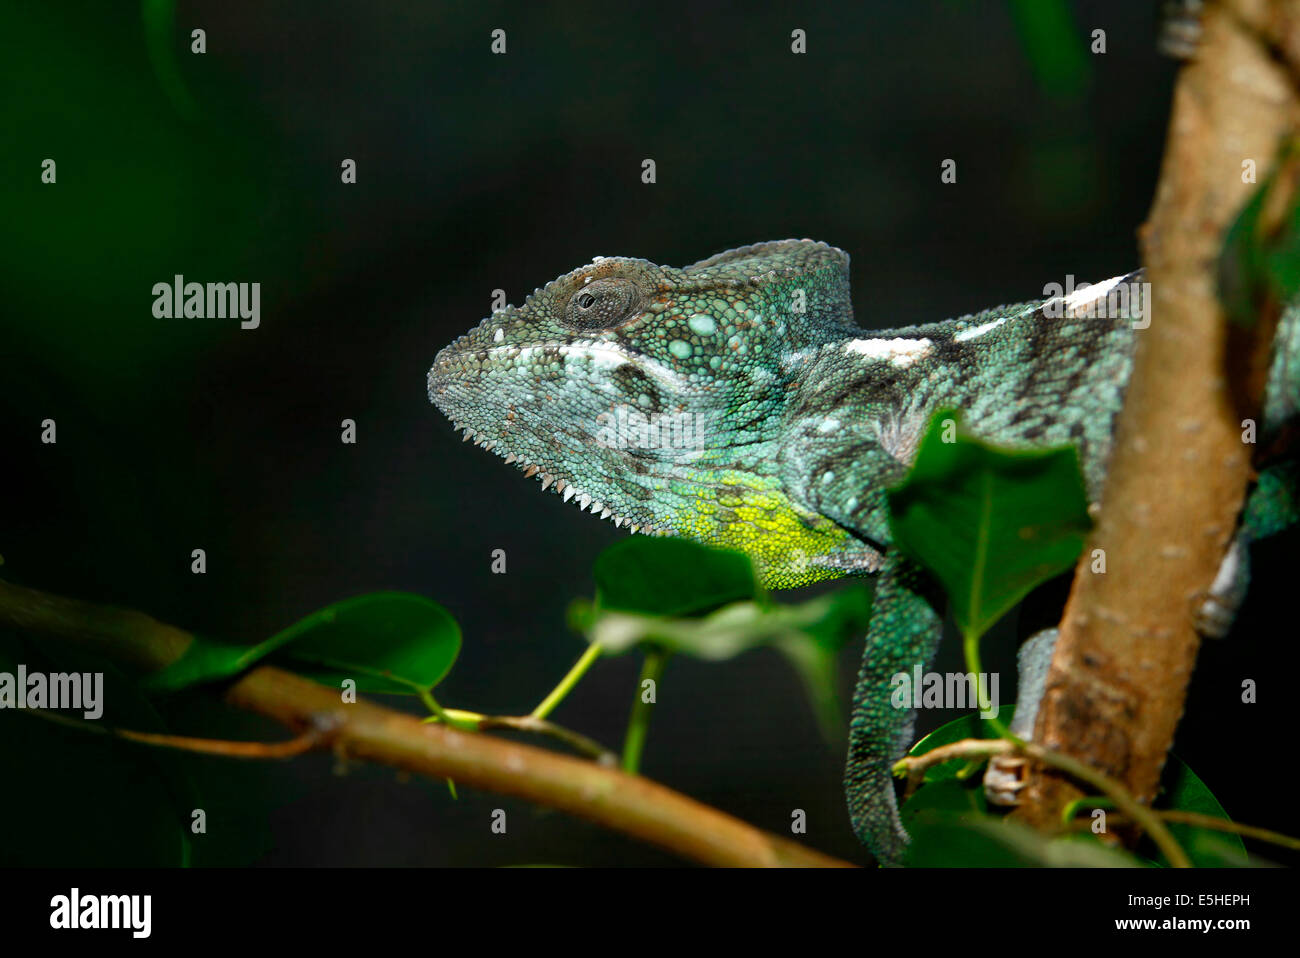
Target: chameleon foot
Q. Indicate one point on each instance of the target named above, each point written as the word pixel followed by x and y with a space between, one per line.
pixel 1005 776
pixel 1003 780
pixel 1218 607
pixel 1180 29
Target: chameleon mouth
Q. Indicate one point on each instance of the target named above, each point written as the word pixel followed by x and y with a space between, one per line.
pixel 561 485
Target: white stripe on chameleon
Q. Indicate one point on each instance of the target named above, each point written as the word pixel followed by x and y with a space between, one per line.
pixel 1084 295
pixel 966 334
pixel 900 352
pixel 605 355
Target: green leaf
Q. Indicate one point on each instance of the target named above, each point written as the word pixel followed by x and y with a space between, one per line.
pixel 1242 274
pixel 814 651
pixel 386 641
pixel 1182 789
pixel 989 524
pixel 827 621
pixel 668 576
pixel 809 635
pixel 706 603
pixel 1260 258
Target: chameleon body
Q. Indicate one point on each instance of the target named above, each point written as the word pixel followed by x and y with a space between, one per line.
pixel 785 423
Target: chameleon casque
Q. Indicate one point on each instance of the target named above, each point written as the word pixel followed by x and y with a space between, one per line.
pixel 800 420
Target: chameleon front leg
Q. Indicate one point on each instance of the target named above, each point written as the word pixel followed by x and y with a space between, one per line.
pixel 905 629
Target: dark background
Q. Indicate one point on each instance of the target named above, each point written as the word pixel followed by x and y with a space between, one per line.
pixel 478 172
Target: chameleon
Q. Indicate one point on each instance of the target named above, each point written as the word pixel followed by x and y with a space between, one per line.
pixel 779 424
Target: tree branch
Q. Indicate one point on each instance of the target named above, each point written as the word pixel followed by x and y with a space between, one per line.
pixel 625 803
pixel 1179 469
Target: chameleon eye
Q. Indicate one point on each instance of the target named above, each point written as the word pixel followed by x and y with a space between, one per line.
pixel 602 304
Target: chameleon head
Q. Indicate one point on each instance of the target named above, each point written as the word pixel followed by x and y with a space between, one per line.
pixel 650 395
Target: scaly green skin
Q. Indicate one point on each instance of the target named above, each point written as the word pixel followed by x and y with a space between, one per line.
pixel 795 422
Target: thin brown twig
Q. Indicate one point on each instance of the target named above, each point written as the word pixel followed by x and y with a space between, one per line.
pixel 575 740
pixel 1201 820
pixel 313 738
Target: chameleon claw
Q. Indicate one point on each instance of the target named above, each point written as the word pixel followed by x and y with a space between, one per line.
pixel 1004 779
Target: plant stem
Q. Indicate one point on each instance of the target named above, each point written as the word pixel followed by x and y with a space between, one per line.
pixel 639 723
pixel 971 647
pixel 1199 820
pixel 567 683
pixel 527 723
